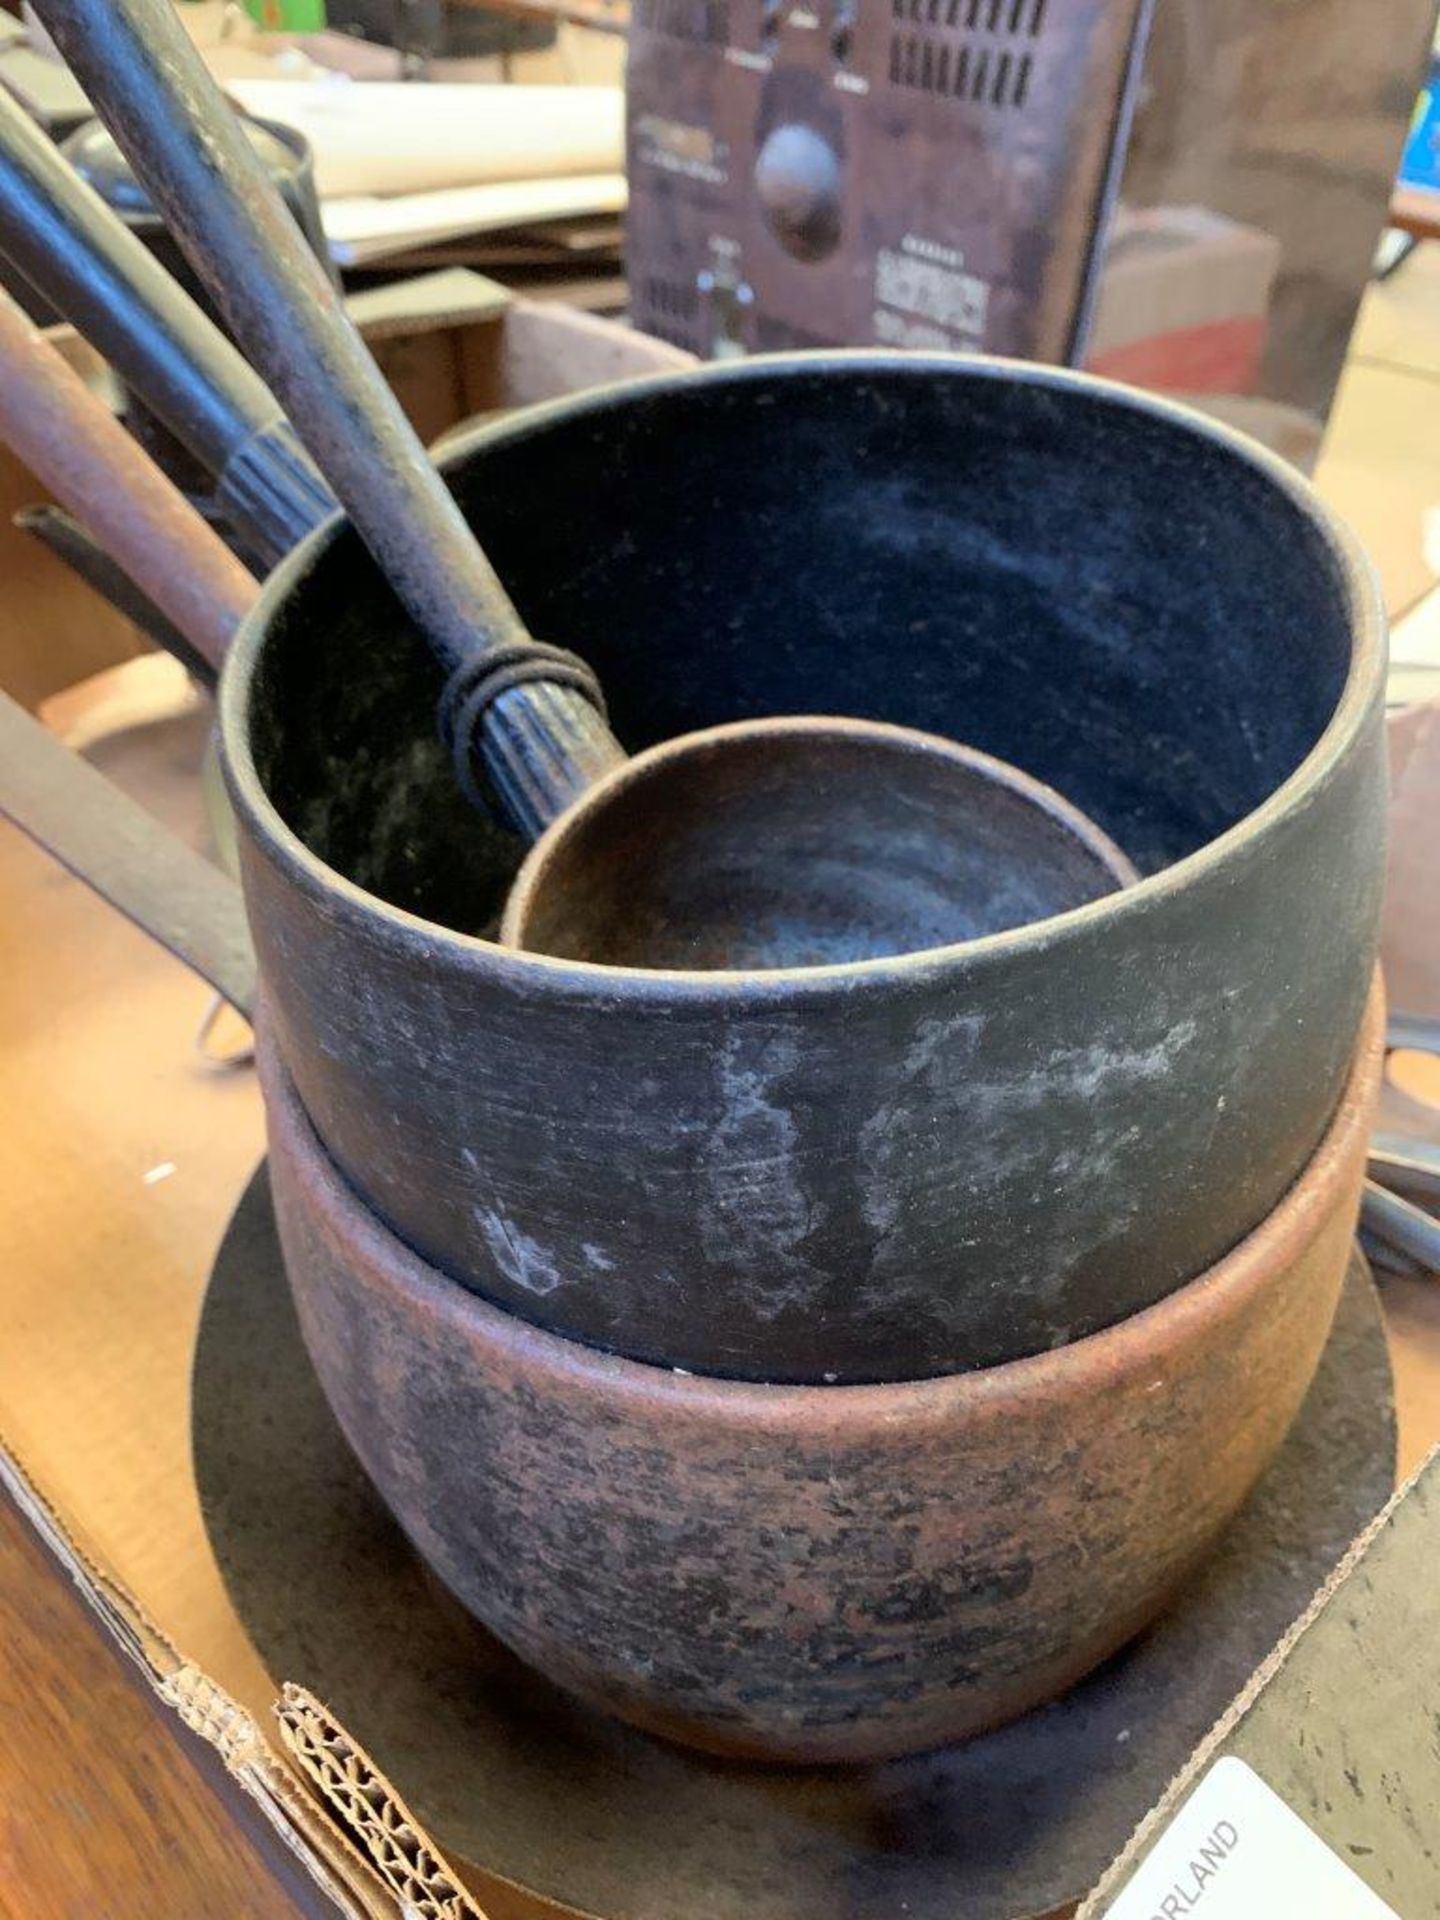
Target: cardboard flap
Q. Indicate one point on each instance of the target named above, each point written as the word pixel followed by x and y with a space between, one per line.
pixel 370 1809
pixel 337 1866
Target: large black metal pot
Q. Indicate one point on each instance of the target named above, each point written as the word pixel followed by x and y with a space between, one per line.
pixel 903 1166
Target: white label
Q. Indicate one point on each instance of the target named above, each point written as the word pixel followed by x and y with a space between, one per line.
pixel 1236 1851
pixel 673 147
pixel 924 291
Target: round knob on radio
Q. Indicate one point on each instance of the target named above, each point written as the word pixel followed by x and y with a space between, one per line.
pixel 797 179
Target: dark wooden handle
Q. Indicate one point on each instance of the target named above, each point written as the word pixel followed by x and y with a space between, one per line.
pixel 542 740
pixel 76 252
pixel 71 441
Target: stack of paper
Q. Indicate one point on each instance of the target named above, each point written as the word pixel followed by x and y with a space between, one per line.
pixel 405 165
pixel 362 228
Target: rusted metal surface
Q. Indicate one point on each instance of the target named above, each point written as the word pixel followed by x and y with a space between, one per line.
pixel 575 1806
pixel 800 843
pixel 68 437
pixel 903 1166
pixel 130 858
pixel 807 1573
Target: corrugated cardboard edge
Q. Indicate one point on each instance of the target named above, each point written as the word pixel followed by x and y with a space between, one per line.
pixel 1098 1900
pixel 371 1809
pixel 330 1828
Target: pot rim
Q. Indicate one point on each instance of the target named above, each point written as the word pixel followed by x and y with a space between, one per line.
pixel 886 1411
pixel 663 989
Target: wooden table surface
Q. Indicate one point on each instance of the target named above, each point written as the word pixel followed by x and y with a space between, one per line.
pixel 1416 210
pixel 104 1814
pixel 122 1159
pixel 108 1811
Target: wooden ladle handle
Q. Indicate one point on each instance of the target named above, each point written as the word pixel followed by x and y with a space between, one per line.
pixel 77 252
pixel 533 714
pixel 71 441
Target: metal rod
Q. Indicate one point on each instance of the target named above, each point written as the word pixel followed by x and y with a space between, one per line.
pixel 64 536
pixel 1415 1032
pixel 115 846
pixel 1386 1259
pixel 1410 1168
pixel 80 256
pixel 1397 1223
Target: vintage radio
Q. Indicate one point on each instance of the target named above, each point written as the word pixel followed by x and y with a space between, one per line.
pixel 1186 193
pixel 925 173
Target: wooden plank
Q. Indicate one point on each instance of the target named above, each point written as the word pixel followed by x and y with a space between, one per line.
pixel 104 1812
pixel 1416 210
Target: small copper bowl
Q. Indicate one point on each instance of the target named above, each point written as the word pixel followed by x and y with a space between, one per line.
pixel 805 1573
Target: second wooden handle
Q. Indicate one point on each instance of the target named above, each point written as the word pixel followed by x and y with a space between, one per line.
pixel 71 441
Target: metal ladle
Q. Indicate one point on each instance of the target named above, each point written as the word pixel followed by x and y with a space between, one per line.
pixel 859 839
pixel 802 842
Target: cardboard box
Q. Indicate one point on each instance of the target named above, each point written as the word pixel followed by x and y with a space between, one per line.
pixel 1319 1791
pixel 134 1140
pixel 134 1147
pixel 455 346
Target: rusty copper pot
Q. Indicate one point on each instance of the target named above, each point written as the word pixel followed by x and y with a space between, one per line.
pixel 807 1573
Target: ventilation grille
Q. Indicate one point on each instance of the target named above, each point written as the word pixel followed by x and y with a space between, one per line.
pixel 704 21
pixel 670 309
pixel 1010 19
pixel 942 54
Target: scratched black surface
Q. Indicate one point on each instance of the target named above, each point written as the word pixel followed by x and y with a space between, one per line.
pixel 508 1773
pixel 1347 1731
pixel 1091 590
